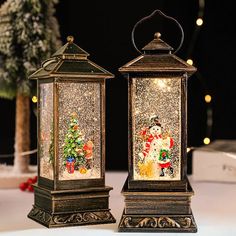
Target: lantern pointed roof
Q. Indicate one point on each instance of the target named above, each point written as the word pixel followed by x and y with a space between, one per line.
pixel 157 57
pixel 70 49
pixel 70 61
pixel 157 45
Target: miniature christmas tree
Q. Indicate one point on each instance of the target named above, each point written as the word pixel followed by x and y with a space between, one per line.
pixel 73 149
pixel 28 34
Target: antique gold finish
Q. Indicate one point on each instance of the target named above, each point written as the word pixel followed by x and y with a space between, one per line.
pixel 73 219
pixel 161 204
pixel 70 39
pixel 162 223
pixel 65 201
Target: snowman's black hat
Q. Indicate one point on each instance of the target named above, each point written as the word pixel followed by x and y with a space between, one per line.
pixel 154 121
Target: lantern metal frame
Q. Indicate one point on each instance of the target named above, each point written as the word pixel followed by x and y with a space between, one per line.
pixel 80 183
pixel 60 203
pixel 161 185
pixel 157 205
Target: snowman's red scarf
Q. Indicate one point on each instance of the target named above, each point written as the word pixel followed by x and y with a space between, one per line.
pixel 148 143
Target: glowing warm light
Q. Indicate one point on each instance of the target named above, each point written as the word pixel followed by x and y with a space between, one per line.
pixel 190 62
pixel 206 141
pixel 160 83
pixel 199 21
pixel 188 149
pixel 208 98
pixel 34 99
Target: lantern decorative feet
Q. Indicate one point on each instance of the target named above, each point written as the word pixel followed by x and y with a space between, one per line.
pixel 60 209
pixel 71 141
pixel 157 192
pixel 157 211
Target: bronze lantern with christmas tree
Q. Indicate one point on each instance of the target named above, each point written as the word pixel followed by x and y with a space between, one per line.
pixel 157 191
pixel 71 141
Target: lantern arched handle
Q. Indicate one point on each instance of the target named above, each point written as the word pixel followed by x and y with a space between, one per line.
pixel 157 11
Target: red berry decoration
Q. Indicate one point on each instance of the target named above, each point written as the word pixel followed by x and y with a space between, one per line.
pixel 30 181
pixel 28 185
pixel 30 188
pixel 35 179
pixel 23 186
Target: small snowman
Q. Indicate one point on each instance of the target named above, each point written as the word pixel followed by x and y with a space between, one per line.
pixel 157 146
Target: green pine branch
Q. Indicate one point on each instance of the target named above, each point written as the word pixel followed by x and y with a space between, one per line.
pixel 29 34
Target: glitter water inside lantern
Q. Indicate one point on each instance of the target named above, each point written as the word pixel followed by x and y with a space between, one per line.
pixel 46 130
pixel 79 117
pixel 157 97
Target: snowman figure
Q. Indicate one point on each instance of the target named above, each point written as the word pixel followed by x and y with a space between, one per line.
pixel 157 146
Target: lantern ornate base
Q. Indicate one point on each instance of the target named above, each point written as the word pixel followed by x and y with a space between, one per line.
pixel 71 219
pixel 156 211
pixel 157 223
pixel 71 207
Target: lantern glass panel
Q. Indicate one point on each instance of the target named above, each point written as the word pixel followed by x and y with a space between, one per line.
pixel 156 145
pixel 46 144
pixel 79 130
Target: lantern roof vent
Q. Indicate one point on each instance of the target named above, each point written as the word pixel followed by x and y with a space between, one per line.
pixel 157 46
pixel 70 50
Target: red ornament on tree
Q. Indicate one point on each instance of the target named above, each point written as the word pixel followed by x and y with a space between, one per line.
pixel 75 127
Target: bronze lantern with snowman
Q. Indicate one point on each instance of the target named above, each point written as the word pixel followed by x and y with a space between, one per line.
pixel 157 191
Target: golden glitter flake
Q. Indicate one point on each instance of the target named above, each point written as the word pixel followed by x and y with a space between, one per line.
pixel 83 101
pixel 156 109
pixel 46 130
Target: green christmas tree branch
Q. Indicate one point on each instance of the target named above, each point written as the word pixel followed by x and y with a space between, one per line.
pixel 29 34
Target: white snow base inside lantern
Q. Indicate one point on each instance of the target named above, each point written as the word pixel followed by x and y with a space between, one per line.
pixel 90 174
pixel 10 179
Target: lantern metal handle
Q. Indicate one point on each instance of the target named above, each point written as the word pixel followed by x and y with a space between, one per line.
pixel 150 16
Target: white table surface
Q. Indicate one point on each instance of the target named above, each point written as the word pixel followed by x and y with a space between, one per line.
pixel 214 209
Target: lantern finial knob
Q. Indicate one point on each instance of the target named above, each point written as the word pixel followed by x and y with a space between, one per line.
pixel 157 35
pixel 70 39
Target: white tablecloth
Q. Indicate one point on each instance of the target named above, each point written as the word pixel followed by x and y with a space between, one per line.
pixel 214 208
